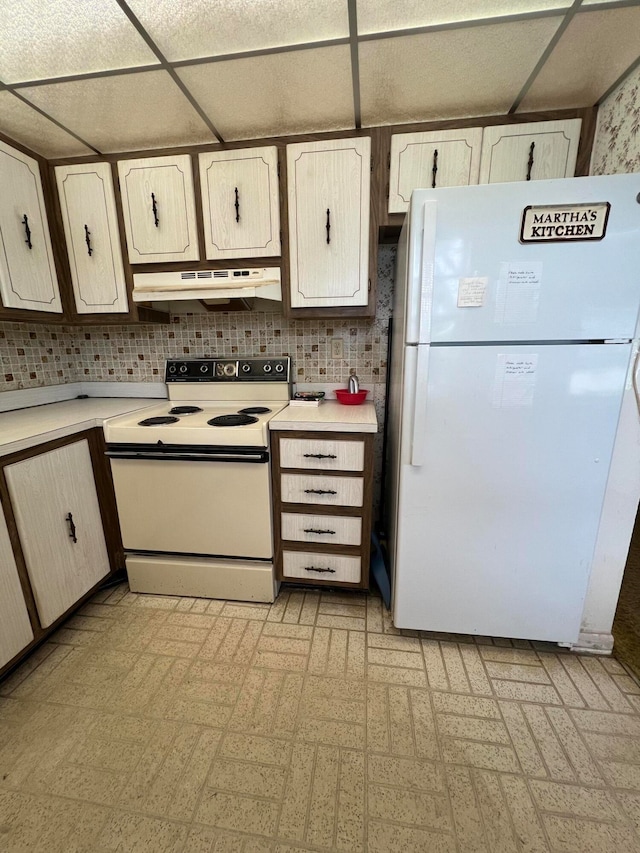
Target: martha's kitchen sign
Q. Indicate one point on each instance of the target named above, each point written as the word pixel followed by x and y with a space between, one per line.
pixel 549 223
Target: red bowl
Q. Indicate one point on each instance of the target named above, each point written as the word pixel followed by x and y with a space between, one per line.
pixel 348 399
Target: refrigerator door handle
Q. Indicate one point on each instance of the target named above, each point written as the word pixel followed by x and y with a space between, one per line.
pixel 419 434
pixel 634 377
pixel 427 271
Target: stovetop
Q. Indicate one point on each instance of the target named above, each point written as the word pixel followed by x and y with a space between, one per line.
pixel 243 424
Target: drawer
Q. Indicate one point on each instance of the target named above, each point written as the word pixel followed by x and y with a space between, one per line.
pixel 315 489
pixel 322 454
pixel 326 567
pixel 333 529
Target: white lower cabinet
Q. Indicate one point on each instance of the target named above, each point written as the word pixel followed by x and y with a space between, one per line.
pixel 15 626
pixel 56 508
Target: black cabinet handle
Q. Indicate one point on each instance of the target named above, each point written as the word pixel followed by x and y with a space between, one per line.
pixel 237 205
pixel 72 528
pixel 319 492
pixel 530 163
pixel 328 225
pixel 27 231
pixel 317 569
pixel 154 208
pixel 320 456
pixel 87 238
pixel 313 530
pixel 434 171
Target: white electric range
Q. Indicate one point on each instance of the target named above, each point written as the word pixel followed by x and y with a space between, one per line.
pixel 192 480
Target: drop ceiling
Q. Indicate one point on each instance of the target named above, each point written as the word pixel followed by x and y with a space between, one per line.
pixel 101 76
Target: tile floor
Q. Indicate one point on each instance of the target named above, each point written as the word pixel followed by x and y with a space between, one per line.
pixel 188 726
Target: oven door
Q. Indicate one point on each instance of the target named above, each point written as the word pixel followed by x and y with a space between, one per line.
pixel 213 501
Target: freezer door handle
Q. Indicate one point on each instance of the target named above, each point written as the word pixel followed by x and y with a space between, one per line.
pixel 418 438
pixel 634 378
pixel 427 271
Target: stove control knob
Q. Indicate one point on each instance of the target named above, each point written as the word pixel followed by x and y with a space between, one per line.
pixel 229 369
pixel 204 368
pixel 183 368
pixel 172 368
pixel 279 367
pixel 246 367
pixel 267 367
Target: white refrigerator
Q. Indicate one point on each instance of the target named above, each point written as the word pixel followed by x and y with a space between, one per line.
pixel 514 310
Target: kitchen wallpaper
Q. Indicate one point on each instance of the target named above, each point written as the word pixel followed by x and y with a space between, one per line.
pixel 617 144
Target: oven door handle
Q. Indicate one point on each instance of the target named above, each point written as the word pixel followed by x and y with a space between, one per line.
pixel 260 457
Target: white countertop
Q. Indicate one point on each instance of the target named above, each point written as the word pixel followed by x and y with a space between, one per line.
pixel 329 416
pixel 28 427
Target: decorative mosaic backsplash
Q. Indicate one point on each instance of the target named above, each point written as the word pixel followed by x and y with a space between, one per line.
pixel 616 147
pixel 34 356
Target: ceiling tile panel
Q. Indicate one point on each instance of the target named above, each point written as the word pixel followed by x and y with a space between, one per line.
pixel 449 74
pixel 595 49
pixel 375 16
pixel 278 94
pixel 55 38
pixel 127 112
pixel 202 28
pixel 27 126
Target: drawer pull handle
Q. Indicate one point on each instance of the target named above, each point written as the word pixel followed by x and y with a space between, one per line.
pixel 72 528
pixel 313 530
pixel 316 569
pixel 320 492
pixel 320 456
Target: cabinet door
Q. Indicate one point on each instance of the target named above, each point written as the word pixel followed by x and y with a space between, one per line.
pixel 444 158
pixel 240 203
pixel 534 151
pixel 15 626
pixel 159 209
pixel 27 271
pixel 93 242
pixel 328 190
pixel 58 516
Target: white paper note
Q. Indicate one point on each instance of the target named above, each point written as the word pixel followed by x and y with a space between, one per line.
pixel 515 380
pixel 471 291
pixel 518 293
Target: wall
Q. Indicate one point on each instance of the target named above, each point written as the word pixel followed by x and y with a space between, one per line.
pixel 616 146
pixel 616 150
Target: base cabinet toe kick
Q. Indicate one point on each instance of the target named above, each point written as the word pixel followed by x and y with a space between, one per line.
pixel 322 488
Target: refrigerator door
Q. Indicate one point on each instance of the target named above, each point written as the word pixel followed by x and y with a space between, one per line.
pixel 495 527
pixel 479 282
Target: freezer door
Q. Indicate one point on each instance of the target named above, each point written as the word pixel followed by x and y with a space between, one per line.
pixel 487 285
pixel 497 515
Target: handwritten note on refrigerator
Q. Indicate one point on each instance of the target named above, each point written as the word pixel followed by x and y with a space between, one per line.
pixel 515 380
pixel 518 293
pixel 471 291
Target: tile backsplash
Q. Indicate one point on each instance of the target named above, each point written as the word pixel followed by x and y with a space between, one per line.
pixel 34 356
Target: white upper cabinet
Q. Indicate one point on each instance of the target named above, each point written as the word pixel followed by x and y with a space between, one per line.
pixel 534 151
pixel 27 270
pixel 328 192
pixel 56 508
pixel 443 158
pixel 93 242
pixel 240 203
pixel 159 209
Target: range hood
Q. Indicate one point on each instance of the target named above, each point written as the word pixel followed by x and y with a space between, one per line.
pixel 209 286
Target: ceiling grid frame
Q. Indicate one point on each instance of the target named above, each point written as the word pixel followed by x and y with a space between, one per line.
pixel 567 9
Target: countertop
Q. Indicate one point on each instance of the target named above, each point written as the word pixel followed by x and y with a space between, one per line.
pixel 329 416
pixel 25 428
